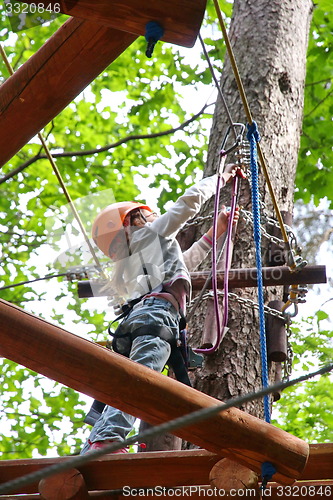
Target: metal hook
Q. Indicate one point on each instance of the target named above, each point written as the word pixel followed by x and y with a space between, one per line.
pixel 237 141
pixel 288 304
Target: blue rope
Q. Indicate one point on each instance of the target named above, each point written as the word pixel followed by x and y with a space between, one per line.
pixel 267 472
pixel 154 32
pixel 267 469
pixel 254 137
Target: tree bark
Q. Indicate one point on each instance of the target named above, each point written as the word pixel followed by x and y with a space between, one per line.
pixel 269 39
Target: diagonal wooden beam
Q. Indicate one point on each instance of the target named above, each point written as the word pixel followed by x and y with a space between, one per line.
pixel 180 19
pixel 42 87
pixel 148 395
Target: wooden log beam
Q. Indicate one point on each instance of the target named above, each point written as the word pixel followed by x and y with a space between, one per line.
pixel 238 278
pixel 68 485
pixel 190 467
pixel 272 276
pixel 180 19
pixel 230 476
pixel 148 395
pixel 72 58
pixel 320 463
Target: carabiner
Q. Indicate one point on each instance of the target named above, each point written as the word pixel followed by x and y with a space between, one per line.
pixel 288 304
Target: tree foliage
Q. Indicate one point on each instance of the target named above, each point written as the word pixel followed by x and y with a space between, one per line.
pixel 131 128
pixel 314 178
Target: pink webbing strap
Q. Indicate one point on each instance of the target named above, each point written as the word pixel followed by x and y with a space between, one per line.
pixel 220 329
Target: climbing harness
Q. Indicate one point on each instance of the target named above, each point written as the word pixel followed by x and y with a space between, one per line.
pixel 182 357
pixel 122 343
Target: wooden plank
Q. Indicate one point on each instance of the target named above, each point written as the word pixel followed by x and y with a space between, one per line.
pixel 187 468
pixel 42 87
pixel 146 394
pixel 180 19
pixel 238 278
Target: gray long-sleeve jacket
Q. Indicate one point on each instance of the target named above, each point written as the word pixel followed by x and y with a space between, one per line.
pixel 155 258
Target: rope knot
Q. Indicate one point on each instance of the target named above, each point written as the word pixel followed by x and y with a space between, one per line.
pixel 252 130
pixel 154 32
pixel 267 472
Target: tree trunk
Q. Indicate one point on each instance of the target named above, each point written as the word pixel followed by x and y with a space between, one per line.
pixel 269 39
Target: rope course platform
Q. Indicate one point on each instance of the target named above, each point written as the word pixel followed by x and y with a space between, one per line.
pixel 167 469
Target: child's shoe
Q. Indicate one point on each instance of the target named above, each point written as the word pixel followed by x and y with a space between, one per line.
pixel 101 444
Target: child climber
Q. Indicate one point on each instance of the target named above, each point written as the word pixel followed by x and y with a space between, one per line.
pixel 151 268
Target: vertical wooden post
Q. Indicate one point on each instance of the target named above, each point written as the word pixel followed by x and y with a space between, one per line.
pixel 276 334
pixel 277 378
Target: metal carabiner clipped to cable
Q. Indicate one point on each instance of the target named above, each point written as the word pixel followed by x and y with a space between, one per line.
pixel 238 140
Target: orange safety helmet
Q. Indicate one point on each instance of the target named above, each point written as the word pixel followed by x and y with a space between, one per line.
pixel 110 221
